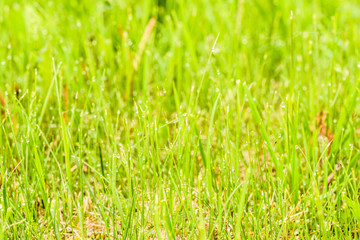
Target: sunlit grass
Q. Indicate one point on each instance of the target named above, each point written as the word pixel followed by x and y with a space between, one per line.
pixel 179 119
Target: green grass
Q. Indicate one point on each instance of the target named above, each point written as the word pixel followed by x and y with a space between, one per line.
pixel 170 119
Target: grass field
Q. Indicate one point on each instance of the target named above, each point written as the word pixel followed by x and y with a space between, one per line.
pixel 202 119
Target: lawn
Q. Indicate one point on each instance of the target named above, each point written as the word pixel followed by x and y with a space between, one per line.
pixel 202 119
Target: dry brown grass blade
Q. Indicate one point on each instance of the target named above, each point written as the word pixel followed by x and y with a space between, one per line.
pixel 325 138
pixel 143 41
pixel 321 122
pixel 2 102
pixel 325 134
pixel 331 176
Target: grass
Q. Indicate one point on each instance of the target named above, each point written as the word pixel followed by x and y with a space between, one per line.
pixel 184 119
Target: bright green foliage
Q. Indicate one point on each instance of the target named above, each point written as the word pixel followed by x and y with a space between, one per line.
pixel 231 119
